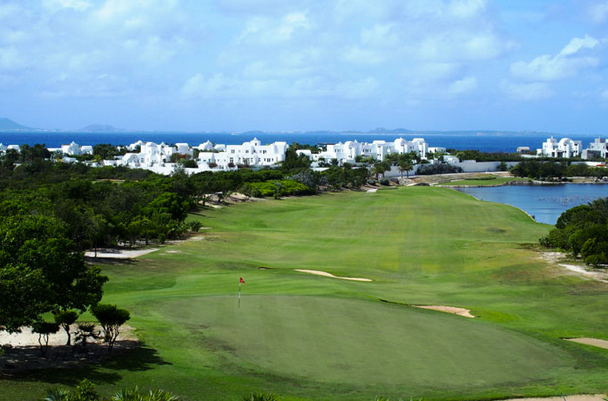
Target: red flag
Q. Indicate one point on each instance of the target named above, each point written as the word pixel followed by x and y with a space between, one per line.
pixel 242 281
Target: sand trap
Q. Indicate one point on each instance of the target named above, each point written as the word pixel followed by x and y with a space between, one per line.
pixel 325 274
pixel 27 339
pixel 119 253
pixel 596 342
pixel 372 190
pixel 576 397
pixel 448 309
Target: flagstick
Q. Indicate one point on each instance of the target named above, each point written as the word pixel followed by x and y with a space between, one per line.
pixel 239 305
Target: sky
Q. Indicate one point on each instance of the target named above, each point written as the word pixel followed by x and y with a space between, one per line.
pixel 283 65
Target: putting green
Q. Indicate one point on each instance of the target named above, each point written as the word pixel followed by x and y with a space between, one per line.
pixel 353 341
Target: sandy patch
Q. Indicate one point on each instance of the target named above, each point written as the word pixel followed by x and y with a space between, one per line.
pixel 119 253
pixel 575 397
pixel 325 274
pixel 581 270
pixel 27 339
pixel 448 309
pixel 372 190
pixel 596 342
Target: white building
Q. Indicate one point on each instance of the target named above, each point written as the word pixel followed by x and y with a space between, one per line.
pixel 566 147
pixel 251 153
pixel 74 149
pixel 597 148
pixel 348 151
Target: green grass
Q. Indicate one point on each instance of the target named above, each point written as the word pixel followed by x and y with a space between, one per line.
pixel 308 337
pixel 483 181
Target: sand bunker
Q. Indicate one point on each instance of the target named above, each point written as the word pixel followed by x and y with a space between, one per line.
pixel 325 274
pixel 119 253
pixel 596 342
pixel 448 309
pixel 372 190
pixel 576 397
pixel 28 339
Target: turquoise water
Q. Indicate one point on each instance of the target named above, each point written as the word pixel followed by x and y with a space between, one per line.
pixel 544 202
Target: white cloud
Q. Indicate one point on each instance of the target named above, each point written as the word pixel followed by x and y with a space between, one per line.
pixel 79 5
pixel 462 86
pixel 563 65
pixel 598 12
pixel 576 44
pixel 11 59
pixel 527 91
pixel 265 31
pixel 467 8
pixel 359 55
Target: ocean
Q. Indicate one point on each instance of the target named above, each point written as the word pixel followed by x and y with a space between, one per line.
pixel 485 142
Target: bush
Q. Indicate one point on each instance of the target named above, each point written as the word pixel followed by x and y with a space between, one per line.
pixel 260 397
pixel 440 168
pixel 111 318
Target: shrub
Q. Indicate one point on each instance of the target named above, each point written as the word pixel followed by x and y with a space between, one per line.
pixel 111 318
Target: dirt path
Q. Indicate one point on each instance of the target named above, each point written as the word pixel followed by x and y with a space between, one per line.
pixel 556 257
pixel 326 274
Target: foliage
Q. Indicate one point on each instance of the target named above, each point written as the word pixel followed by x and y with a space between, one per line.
pixel 137 395
pixel 583 231
pixel 438 168
pixel 276 189
pixel 84 332
pixel 44 330
pixel 42 271
pixel 84 391
pixel 261 397
pixel 484 156
pixel 556 169
pixel 65 318
pixel 110 318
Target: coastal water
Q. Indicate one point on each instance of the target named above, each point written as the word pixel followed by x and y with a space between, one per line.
pixel 545 202
pixel 485 142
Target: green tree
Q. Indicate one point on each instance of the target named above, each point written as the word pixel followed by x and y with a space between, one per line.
pixel 65 319
pixel 110 318
pixel 44 330
pixel 42 271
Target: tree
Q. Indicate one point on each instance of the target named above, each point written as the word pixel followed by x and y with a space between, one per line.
pixel 44 330
pixel 111 318
pixel 405 164
pixel 42 271
pixel 65 319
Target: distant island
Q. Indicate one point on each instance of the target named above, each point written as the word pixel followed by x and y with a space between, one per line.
pixel 8 125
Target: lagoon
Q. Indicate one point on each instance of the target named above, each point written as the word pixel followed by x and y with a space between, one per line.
pixel 544 202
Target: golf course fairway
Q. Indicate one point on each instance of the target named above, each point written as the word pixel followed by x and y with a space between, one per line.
pixel 309 337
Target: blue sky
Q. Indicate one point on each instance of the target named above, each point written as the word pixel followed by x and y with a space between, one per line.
pixel 280 65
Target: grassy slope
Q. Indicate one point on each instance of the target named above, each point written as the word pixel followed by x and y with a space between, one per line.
pixel 319 338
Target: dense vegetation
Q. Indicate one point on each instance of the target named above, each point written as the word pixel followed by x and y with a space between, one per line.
pixel 582 231
pixel 556 169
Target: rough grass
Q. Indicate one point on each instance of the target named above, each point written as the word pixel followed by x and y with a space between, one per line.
pixel 308 337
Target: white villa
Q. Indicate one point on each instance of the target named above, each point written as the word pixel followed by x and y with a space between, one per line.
pixel 347 152
pixel 597 148
pixel 566 147
pixel 251 153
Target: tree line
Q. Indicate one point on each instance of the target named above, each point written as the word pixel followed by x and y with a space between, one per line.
pixel 583 232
